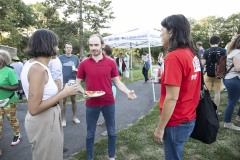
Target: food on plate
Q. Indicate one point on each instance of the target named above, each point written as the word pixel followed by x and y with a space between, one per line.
pixel 94 93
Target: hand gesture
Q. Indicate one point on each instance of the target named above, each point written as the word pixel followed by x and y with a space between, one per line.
pixel 132 95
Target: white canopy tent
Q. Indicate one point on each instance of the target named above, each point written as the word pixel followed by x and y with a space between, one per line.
pixel 136 38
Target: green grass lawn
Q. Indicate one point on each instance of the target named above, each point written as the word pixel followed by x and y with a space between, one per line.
pixel 137 143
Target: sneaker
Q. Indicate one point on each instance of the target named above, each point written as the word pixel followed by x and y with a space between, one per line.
pixel 64 123
pixel 111 158
pixel 104 133
pixel 76 120
pixel 238 118
pixel 103 123
pixel 16 140
pixel 231 126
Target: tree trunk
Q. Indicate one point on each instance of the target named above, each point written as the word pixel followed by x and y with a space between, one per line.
pixel 80 29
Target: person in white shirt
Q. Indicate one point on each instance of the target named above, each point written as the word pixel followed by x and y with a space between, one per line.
pixel 43 122
pixel 126 61
pixel 17 66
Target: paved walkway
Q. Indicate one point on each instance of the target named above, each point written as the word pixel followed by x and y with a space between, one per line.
pixel 127 113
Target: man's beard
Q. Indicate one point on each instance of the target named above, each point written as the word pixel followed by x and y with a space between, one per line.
pixel 95 53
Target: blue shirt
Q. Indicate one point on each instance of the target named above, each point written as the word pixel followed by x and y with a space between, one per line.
pixel 67 63
pixel 201 51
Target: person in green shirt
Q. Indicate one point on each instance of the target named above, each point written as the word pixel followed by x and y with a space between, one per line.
pixel 8 96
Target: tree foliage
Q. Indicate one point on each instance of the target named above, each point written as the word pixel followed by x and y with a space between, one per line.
pixel 203 29
pixel 14 14
pixel 96 15
pixel 85 14
pixel 15 17
pixel 18 21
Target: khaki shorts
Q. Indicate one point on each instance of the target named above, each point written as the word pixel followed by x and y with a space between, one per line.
pixel 213 83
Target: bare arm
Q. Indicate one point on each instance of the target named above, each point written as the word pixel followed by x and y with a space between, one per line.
pixel 203 61
pixel 123 88
pixel 236 63
pixel 10 88
pixel 37 78
pixel 80 88
pixel 172 93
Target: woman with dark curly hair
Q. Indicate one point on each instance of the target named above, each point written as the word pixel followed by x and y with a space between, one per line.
pixel 43 119
pixel 8 96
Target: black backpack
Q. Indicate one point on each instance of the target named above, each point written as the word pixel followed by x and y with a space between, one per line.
pixel 213 57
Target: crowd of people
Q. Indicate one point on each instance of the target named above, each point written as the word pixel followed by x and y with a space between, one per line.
pixel 47 79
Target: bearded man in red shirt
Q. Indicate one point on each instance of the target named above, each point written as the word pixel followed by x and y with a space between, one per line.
pixel 98 71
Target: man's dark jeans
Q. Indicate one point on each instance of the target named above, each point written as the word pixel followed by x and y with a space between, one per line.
pixel 145 73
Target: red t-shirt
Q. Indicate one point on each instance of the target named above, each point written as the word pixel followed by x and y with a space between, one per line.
pixel 182 69
pixel 98 76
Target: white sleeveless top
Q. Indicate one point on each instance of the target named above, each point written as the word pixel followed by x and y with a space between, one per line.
pixel 50 89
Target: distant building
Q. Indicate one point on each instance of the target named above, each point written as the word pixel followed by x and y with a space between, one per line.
pixel 11 50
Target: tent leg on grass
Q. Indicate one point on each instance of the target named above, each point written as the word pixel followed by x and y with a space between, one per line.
pixel 153 88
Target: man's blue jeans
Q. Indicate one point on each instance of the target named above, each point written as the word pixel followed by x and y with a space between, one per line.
pixel 174 139
pixel 92 115
pixel 233 90
pixel 145 74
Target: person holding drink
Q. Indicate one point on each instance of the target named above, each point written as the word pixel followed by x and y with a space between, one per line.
pixel 70 63
pixel 43 119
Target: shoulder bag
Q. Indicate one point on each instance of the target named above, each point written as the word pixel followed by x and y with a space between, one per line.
pixel 207 124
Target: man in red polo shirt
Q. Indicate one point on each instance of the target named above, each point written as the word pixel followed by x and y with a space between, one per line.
pixel 98 71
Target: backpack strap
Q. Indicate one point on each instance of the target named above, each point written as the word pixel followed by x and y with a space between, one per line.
pixel 229 69
pixel 12 95
pixel 202 79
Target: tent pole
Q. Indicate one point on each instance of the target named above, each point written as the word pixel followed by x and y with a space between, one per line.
pixel 153 88
pixel 150 57
pixel 131 54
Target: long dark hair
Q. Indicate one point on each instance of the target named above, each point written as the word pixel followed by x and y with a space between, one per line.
pixel 181 32
pixel 43 43
pixel 235 43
